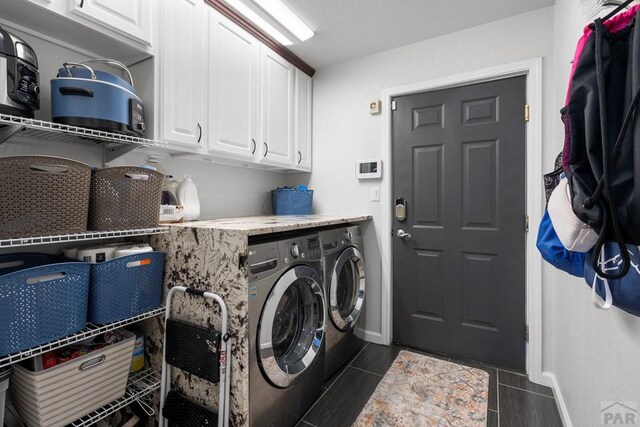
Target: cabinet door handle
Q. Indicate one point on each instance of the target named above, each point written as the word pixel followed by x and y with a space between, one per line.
pixel 199 133
pixel 266 149
pixel 299 157
pixel 254 146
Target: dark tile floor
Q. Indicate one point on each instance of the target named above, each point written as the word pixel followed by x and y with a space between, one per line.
pixel 514 401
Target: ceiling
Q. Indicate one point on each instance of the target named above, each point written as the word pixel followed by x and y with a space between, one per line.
pixel 348 29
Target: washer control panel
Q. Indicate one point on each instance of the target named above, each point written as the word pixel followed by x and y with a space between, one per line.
pixel 301 248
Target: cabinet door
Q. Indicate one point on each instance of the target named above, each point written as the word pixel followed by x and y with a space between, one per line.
pixel 45 3
pixel 302 122
pixel 234 80
pixel 131 18
pixel 276 125
pixel 183 75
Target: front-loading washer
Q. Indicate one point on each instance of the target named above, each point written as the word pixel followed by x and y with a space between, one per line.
pixel 344 280
pixel 286 328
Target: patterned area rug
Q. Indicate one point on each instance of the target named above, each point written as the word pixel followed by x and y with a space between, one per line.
pixel 422 391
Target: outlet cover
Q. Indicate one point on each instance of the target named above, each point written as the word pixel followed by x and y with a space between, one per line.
pixel 374 106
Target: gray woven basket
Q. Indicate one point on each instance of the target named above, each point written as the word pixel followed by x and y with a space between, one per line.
pixel 124 198
pixel 43 196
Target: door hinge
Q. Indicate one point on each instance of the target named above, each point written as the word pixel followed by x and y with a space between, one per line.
pixel 526 223
pixel 394 106
pixel 526 333
pixel 526 113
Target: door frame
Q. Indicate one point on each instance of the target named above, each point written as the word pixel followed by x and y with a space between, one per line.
pixel 532 69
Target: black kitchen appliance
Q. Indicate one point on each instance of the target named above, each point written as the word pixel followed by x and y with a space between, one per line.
pixel 19 76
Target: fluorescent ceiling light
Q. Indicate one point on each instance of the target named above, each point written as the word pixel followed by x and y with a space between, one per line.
pixel 286 17
pixel 259 21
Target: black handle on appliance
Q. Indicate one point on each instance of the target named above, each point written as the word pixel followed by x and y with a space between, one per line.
pixel 266 149
pixel 200 134
pixel 299 157
pixel 254 146
pixel 76 91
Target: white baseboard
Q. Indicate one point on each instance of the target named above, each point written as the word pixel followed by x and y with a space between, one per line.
pixel 374 337
pixel 544 378
pixel 553 383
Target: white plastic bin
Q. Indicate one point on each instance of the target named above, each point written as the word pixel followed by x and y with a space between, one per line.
pixel 62 394
pixel 4 385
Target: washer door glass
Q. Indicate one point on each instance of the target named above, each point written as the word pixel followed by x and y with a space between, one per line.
pixel 347 290
pixel 292 325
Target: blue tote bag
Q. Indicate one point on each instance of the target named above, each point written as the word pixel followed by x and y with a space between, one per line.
pixel 555 253
pixel 623 293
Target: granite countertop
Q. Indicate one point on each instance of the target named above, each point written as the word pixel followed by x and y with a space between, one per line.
pixel 256 225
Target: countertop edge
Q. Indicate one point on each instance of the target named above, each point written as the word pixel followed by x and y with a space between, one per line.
pixel 254 227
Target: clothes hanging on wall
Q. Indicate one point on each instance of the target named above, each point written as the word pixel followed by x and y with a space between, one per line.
pixel 601 155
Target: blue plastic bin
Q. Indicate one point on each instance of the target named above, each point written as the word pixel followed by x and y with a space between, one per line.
pixel 292 201
pixel 125 287
pixel 42 298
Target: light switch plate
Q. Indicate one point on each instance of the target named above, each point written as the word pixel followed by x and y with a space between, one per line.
pixel 375 194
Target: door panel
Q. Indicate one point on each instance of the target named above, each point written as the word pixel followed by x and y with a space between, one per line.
pixel 479 184
pixel 234 80
pixel 183 68
pixel 459 280
pixel 131 18
pixel 277 109
pixel 303 108
pixel 427 185
pixel 430 299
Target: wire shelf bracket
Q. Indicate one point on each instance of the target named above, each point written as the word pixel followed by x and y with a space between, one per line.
pixel 91 330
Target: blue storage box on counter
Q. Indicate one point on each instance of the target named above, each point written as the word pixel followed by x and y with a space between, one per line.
pixel 42 298
pixel 125 287
pixel 292 201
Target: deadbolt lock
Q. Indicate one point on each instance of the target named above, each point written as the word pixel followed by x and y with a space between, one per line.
pixel 401 209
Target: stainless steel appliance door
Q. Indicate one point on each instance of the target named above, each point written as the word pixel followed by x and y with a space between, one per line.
pixel 347 289
pixel 291 325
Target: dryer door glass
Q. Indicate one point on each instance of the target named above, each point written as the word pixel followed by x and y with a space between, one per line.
pixel 292 325
pixel 347 290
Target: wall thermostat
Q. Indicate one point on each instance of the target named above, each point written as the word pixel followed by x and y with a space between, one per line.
pixel 369 169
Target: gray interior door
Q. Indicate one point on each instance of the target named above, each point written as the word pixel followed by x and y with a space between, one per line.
pixel 459 278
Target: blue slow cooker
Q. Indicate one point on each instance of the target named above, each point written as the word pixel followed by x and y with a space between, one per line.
pixel 82 96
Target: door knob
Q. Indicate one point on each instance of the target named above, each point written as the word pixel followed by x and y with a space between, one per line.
pixel 403 234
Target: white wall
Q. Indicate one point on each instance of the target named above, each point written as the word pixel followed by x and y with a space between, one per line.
pixel 344 131
pixel 595 352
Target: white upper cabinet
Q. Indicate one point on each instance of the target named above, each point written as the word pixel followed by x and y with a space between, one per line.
pixel 302 122
pixel 46 3
pixel 131 18
pixel 276 109
pixel 234 89
pixel 183 73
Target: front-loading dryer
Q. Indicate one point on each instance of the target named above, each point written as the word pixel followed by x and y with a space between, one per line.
pixel 344 280
pixel 286 329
